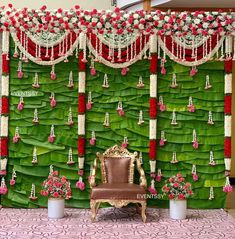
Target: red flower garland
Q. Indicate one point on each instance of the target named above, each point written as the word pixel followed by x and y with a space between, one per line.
pixel 82 65
pixel 81 103
pixel 152 149
pixel 81 146
pixel 5 64
pixel 228 104
pixel 4 146
pixel 153 108
pixel 5 105
pixel 227 147
pixel 153 64
pixel 228 66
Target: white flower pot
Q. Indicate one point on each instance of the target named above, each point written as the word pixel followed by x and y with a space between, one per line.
pixel 55 208
pixel 178 209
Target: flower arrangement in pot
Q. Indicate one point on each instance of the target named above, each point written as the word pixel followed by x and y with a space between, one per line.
pixel 177 191
pixel 56 188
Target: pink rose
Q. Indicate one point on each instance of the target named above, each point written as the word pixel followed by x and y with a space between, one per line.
pixel 152 191
pixel 92 141
pixel 181 197
pixel 16 139
pixel 80 185
pixel 121 112
pixel 20 74
pixel 179 175
pixel 195 177
pixel 162 142
pixel 171 196
pixel 152 175
pixel 171 180
pixel 51 139
pixel 228 189
pixel 163 70
pixel 88 106
pixel 56 194
pixel 93 71
pixel 20 106
pixel 158 178
pixel 124 71
pixel 195 144
pixel 175 185
pixel 193 72
pixel 191 108
pixel 53 76
pixel 124 145
pixel 162 107
pixel 12 182
pixel 53 103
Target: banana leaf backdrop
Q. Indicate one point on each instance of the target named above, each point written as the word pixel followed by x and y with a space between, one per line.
pixel 122 88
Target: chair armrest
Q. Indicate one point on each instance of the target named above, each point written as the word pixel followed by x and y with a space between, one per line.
pixel 143 181
pixel 93 174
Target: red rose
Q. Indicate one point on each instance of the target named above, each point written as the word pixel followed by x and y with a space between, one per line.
pixel 171 196
pixel 181 196
pixel 175 185
pixel 56 194
pixel 171 180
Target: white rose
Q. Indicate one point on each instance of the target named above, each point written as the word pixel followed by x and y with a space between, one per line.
pixel 126 15
pixel 215 23
pixel 136 16
pixel 94 19
pixel 211 31
pixel 197 21
pixel 26 19
pixel 200 16
pixel 73 19
pixel 188 19
pixel 205 25
pixel 87 18
pixel 58 15
pixel 99 25
pixel 136 22
pixel 107 25
pixel 166 18
pixel 223 24
pixel 65 19
pixel 141 26
pixel 56 29
pixel 113 15
pixel 160 23
pixel 3 19
pixel 185 28
pixel 155 18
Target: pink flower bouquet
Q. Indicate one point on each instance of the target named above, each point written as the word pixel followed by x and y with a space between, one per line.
pixel 56 187
pixel 176 188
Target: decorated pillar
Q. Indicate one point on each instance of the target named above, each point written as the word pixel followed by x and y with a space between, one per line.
pixel 81 108
pixel 4 109
pixel 153 111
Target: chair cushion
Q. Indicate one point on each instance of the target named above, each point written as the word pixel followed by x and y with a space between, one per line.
pixel 122 191
pixel 117 169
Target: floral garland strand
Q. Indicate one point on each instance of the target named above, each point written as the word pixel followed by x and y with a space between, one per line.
pixel 153 110
pixel 117 22
pixel 81 109
pixel 5 105
pixel 227 115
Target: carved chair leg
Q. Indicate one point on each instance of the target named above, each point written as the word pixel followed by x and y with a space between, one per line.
pixel 143 204
pixel 138 209
pixel 97 208
pixel 93 210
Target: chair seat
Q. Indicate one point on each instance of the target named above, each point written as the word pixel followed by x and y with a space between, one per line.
pixel 118 191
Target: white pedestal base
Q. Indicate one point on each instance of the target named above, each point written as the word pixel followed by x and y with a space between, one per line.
pixel 178 209
pixel 55 208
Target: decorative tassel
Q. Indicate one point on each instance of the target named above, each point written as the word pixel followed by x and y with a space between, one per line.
pixel 159 175
pixel 51 137
pixel 125 142
pixel 210 119
pixel 173 81
pixel 119 109
pixel 51 170
pixel 53 100
pixel 141 118
pixel 3 187
pixel 163 69
pixel 174 158
pixel 194 173
pixel 163 140
pixel 212 161
pixel 36 82
pixel 16 54
pixel 211 196
pixel 16 137
pixel 191 107
pixel 106 120
pixel 161 105
pixel 105 82
pixel 20 72
pixel 32 193
pixel 89 101
pixel 195 141
pixel 93 138
pixel 152 188
pixel 53 74
pixel 124 71
pixel 70 84
pixel 193 71
pixel 35 158
pixel 173 121
pixel 13 178
pixel 80 184
pixel 70 157
pixel 70 117
pixel 92 67
pixel 207 85
pixel 20 106
pixel 152 168
pixel 140 83
pixel 227 187
pixel 35 117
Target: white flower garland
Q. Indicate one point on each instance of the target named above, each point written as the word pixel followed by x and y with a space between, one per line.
pixel 44 63
pixel 228 83
pixel 196 62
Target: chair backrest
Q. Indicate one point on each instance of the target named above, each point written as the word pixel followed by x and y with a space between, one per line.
pixel 117 165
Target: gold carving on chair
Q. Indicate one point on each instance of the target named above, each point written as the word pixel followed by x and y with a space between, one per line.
pixel 117 152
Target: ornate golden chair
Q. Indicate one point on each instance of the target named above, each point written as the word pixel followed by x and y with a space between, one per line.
pixel 117 174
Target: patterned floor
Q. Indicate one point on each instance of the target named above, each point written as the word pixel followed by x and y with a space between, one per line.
pixel 115 223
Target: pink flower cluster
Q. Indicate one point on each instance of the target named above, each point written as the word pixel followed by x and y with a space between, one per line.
pixel 118 22
pixel 176 188
pixel 56 187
